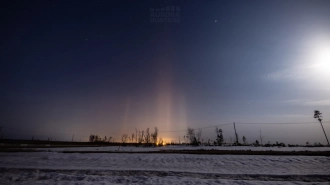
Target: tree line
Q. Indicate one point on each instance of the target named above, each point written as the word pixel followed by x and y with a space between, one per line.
pixel 193 138
pixel 140 137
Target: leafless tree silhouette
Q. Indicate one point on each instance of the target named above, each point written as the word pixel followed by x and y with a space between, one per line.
pixel 318 116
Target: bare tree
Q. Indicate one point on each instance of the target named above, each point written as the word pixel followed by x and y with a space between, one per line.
pixel 136 135
pixel 244 140
pixel 154 136
pixel 147 136
pixel 192 136
pixel 261 137
pixel 91 138
pixel 132 138
pixel 160 141
pixel 94 138
pixel 219 136
pixel 318 116
pixel 140 137
pixel 237 140
pixel 124 138
pixel 199 135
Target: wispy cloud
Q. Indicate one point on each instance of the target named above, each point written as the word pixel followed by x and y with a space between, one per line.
pixel 319 102
pixel 304 77
pixel 291 73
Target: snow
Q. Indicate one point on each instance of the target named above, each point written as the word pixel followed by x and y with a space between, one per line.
pixel 224 164
pixel 80 177
pixel 126 168
pixel 141 149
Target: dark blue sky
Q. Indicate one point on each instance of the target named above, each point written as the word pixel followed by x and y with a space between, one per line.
pixel 103 67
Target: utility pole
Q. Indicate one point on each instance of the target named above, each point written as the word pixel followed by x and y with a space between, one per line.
pixel 235 134
pixel 72 137
pixel 318 115
pixel 260 137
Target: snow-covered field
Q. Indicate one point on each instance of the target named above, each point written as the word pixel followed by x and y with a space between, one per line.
pixel 126 168
pixel 138 149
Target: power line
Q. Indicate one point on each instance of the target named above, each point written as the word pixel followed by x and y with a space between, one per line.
pixel 215 126
pixel 184 130
pixel 262 123
pixel 241 123
pixel 197 128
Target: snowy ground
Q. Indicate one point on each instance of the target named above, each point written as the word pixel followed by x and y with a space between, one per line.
pixel 105 168
pixel 137 149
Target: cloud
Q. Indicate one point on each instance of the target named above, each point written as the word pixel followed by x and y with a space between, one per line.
pixel 309 66
pixel 291 73
pixel 303 77
pixel 279 75
pixel 318 102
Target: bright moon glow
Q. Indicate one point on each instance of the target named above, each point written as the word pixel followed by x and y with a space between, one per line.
pixel 320 63
pixel 323 60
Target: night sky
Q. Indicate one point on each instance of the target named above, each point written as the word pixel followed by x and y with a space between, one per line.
pixel 103 67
